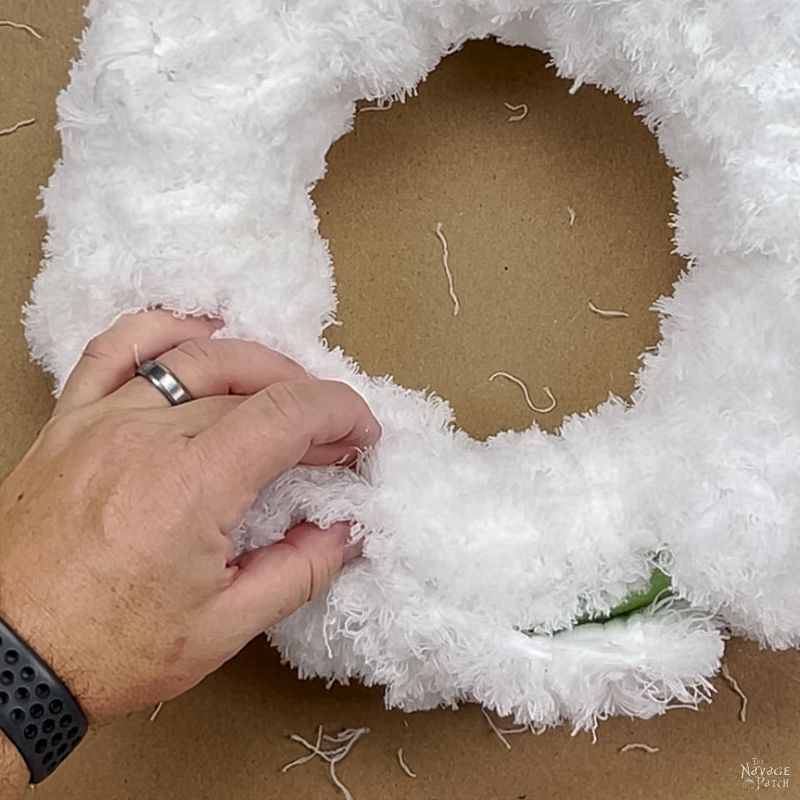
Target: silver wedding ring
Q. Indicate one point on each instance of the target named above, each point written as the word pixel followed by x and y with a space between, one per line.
pixel 165 381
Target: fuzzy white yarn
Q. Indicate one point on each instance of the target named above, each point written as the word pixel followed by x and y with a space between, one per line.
pixel 192 132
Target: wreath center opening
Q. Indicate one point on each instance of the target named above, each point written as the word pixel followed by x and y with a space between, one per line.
pixel 554 208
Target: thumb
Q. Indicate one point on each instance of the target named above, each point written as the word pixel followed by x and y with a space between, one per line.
pixel 274 581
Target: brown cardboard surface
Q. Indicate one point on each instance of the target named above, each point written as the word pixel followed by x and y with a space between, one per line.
pixel 523 276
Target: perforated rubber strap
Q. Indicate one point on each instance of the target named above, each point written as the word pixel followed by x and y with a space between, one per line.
pixel 37 712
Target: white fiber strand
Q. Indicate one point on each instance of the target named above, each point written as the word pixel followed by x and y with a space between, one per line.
pixel 607 312
pixel 335 759
pixel 20 26
pixel 401 760
pixel 446 265
pixel 522 110
pixel 514 731
pixel 345 740
pixel 638 746
pixel 522 385
pixel 314 752
pixel 497 732
pixel 734 684
pixel 14 128
pixel 346 793
pixel 380 105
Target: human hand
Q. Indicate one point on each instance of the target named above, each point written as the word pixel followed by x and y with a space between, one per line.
pixel 116 563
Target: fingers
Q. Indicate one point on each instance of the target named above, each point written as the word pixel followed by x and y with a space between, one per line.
pixel 191 419
pixel 275 581
pixel 109 360
pixel 214 367
pixel 284 425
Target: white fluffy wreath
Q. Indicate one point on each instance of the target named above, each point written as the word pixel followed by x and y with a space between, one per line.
pixel 192 132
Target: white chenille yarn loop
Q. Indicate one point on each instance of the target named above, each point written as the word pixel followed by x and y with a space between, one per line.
pixel 192 133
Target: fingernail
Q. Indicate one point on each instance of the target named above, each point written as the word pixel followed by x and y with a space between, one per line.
pixel 352 551
pixel 214 322
pixel 375 431
pixel 340 528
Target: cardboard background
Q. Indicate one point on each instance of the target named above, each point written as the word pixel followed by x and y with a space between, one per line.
pixel 523 277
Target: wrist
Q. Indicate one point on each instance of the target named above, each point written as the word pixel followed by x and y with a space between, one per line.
pixel 13 772
pixel 42 632
pixel 39 715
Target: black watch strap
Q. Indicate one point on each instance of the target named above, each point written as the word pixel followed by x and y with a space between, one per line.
pixel 37 712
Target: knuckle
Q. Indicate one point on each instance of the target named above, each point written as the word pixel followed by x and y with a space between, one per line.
pixel 127 430
pixel 121 432
pixel 311 586
pixel 321 577
pixel 102 347
pixel 308 584
pixel 314 575
pixel 197 350
pixel 282 408
pixel 211 469
pixel 289 365
pixel 59 430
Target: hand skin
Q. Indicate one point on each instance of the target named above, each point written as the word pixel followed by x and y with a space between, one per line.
pixel 116 563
